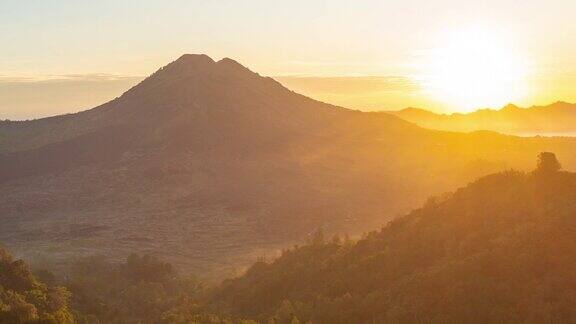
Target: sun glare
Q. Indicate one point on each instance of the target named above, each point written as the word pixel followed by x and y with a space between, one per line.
pixel 476 68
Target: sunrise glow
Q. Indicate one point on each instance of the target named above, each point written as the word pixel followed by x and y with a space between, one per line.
pixel 476 68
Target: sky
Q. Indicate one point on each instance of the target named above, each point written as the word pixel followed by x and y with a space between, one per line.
pixel 60 56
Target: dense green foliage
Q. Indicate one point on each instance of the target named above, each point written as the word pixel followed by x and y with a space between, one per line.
pixel 140 290
pixel 24 299
pixel 501 250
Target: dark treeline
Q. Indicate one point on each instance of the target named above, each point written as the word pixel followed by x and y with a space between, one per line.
pixel 142 289
pixel 139 290
pixel 500 250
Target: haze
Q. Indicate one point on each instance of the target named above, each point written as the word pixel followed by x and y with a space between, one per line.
pixel 287 162
pixel 383 55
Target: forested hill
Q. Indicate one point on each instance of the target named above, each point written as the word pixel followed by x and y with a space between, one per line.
pixel 500 250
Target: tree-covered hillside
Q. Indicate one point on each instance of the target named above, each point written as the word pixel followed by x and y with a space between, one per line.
pixel 24 299
pixel 500 250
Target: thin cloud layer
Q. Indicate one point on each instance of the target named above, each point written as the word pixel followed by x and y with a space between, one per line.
pixel 351 85
pixel 34 97
pixel 360 92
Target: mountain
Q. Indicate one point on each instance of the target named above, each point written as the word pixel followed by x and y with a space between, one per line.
pixel 211 165
pixel 499 250
pixel 558 119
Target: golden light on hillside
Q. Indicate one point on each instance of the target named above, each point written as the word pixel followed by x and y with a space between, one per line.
pixel 474 68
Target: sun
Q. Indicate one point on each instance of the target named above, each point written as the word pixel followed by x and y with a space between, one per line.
pixel 475 68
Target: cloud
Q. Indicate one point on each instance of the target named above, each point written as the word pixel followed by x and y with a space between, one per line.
pixel 24 97
pixel 350 85
pixel 97 77
pixel 17 79
pixel 331 63
pixel 359 92
pixel 66 77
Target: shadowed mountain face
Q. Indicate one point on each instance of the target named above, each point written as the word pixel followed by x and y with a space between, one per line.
pixel 211 164
pixel 558 119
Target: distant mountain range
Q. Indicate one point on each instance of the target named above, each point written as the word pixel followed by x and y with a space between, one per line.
pixel 212 165
pixel 558 119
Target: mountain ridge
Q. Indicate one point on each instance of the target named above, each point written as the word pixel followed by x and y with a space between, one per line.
pixel 552 119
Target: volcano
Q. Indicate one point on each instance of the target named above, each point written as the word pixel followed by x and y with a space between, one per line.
pixel 211 165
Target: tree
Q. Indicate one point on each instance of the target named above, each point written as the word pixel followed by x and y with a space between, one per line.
pixel 25 299
pixel 318 237
pixel 547 163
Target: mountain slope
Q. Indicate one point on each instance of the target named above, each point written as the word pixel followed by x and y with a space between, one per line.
pixel 211 165
pixel 557 119
pixel 500 250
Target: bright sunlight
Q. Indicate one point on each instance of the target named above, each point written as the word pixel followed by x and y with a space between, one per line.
pixel 476 68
